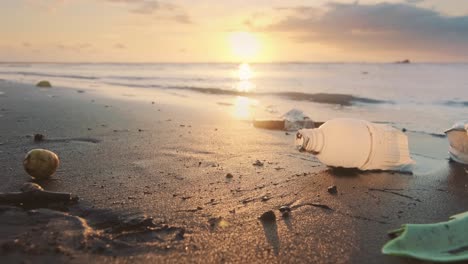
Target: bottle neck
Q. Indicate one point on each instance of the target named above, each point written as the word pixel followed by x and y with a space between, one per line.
pixel 310 139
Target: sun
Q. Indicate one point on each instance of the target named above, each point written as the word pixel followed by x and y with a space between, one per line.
pixel 245 46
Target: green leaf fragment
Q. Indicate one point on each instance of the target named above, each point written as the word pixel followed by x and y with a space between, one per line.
pixel 441 242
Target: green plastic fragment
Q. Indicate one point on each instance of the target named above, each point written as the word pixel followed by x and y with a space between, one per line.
pixel 440 242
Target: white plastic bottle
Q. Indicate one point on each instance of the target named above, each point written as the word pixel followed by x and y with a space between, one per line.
pixel 353 143
pixel 458 139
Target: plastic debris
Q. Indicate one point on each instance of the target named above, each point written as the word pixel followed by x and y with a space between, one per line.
pixel 441 242
pixel 458 138
pixel 353 143
pixel 41 163
pixel 293 120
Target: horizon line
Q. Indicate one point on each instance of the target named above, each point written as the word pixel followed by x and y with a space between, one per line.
pixel 231 62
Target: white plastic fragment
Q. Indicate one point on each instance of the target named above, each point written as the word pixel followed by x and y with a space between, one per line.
pixel 458 139
pixel 295 119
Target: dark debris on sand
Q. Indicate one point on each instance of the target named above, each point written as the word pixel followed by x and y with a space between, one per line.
pixel 38 137
pixel 82 230
pixel 268 216
pixel 332 189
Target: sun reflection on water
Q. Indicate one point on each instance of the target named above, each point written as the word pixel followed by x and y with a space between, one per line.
pixel 243 107
pixel 245 74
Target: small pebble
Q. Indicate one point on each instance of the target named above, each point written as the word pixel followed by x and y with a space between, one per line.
pixel 29 186
pixel 268 216
pixel 38 137
pixel 229 175
pixel 333 189
pixel 258 163
pixel 285 208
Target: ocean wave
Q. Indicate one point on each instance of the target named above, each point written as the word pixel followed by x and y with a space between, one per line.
pixel 330 98
pixel 40 74
pixel 456 103
pixel 324 98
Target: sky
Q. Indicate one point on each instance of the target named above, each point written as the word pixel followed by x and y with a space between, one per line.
pixel 233 31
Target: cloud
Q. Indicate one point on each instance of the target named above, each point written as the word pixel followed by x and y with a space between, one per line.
pixel 377 27
pixel 120 46
pixel 414 1
pixel 157 8
pixel 75 47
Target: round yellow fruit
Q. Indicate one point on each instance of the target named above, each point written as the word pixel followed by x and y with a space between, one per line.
pixel 41 163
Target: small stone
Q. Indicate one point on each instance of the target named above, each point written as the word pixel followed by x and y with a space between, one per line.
pixel 29 186
pixel 403 130
pixel 44 84
pixel 41 163
pixel 332 189
pixel 268 216
pixel 265 198
pixel 38 137
pixel 229 175
pixel 258 163
pixel 285 208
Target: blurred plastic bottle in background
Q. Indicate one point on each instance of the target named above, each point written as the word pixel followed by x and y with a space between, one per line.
pixel 293 120
pixel 458 140
pixel 353 143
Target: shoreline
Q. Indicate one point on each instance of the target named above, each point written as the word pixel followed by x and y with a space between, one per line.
pixel 170 161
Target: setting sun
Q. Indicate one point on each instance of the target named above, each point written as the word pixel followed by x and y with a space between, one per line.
pixel 244 45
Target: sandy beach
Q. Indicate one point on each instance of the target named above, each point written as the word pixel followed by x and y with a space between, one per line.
pixel 129 159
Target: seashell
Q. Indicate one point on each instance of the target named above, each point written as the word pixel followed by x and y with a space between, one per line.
pixel 41 163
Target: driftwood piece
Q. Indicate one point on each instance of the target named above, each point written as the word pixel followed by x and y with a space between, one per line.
pixel 35 198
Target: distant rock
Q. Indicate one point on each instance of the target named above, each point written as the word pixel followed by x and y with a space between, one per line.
pixel 44 84
pixel 403 61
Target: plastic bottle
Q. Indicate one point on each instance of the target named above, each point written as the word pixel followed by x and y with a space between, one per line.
pixel 458 138
pixel 353 143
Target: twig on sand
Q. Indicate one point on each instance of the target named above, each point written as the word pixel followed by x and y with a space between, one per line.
pixel 323 206
pixel 395 193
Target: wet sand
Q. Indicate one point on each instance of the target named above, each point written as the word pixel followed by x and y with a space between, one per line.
pixel 129 160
